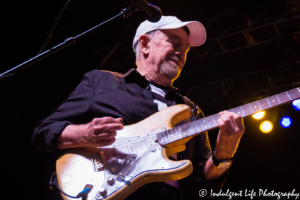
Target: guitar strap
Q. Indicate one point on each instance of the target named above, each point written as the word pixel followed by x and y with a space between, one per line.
pixel 195 110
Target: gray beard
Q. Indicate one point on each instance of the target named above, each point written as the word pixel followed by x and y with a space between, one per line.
pixel 170 70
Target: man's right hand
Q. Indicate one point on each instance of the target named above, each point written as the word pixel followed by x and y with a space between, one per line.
pixel 97 133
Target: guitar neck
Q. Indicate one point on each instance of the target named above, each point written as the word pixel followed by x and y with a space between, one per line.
pixel 201 125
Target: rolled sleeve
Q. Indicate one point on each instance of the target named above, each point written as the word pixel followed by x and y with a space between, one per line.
pixel 77 109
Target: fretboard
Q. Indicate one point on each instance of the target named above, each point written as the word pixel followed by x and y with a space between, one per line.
pixel 201 125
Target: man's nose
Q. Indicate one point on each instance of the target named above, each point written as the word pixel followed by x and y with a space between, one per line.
pixel 180 55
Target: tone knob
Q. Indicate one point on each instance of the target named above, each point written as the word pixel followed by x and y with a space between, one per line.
pixel 110 180
pixel 103 191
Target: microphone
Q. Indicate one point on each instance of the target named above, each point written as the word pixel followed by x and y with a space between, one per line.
pixel 153 13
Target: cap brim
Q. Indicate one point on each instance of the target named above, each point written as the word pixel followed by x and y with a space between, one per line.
pixel 197 31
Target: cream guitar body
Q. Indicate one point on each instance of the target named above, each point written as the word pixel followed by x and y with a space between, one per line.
pixel 140 153
pixel 135 159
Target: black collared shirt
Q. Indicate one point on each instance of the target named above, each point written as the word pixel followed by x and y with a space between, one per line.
pixel 128 96
pixel 100 94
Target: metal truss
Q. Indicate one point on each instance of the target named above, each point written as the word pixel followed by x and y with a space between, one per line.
pixel 230 92
pixel 228 41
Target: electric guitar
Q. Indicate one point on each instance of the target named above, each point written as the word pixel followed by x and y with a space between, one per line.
pixel 140 153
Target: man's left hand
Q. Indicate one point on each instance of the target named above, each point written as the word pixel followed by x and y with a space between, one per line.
pixel 231 130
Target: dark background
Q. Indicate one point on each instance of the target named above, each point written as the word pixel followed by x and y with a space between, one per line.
pixel 252 51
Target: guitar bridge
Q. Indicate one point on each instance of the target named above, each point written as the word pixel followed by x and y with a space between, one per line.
pixel 98 161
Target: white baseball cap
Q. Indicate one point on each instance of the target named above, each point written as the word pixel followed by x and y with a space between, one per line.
pixel 197 33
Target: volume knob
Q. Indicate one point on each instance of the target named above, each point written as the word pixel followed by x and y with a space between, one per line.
pixel 110 180
pixel 103 191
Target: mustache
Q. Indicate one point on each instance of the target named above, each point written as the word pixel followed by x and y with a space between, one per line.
pixel 174 58
pixel 177 60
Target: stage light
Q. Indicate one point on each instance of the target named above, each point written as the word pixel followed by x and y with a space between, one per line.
pixel 286 122
pixel 296 104
pixel 259 115
pixel 266 126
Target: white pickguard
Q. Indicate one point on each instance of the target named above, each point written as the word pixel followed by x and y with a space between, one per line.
pixel 134 156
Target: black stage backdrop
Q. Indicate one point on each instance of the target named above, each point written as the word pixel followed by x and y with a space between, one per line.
pixel 263 161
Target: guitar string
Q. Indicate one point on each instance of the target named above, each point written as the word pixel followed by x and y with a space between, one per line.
pixel 140 141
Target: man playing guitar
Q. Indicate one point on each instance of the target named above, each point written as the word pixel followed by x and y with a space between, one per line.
pixel 104 101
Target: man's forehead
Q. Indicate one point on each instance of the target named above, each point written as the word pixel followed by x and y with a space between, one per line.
pixel 179 34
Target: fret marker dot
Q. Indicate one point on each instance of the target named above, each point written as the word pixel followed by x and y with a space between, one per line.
pixel 203 121
pixel 273 100
pixel 238 112
pixel 254 106
pixel 205 126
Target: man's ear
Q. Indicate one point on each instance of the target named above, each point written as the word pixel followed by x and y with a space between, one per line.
pixel 144 41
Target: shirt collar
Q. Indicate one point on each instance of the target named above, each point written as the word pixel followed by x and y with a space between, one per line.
pixel 134 76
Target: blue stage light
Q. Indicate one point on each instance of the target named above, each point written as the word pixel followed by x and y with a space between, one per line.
pixel 286 122
pixel 296 104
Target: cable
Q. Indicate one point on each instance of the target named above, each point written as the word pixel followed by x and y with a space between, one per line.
pixel 53 183
pixel 20 70
pixel 54 26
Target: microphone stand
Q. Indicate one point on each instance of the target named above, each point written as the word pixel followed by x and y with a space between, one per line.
pixel 126 12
